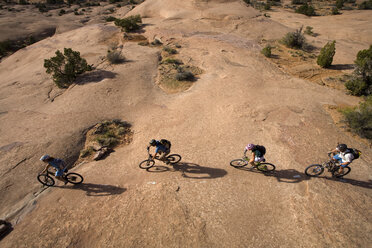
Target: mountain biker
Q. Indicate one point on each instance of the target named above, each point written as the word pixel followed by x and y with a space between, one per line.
pixel 342 155
pixel 57 164
pixel 257 153
pixel 160 149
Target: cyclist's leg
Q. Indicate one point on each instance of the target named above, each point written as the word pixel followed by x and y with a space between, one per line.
pixel 163 156
pixel 59 176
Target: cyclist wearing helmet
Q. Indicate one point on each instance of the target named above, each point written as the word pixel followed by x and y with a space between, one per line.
pixel 160 149
pixel 343 156
pixel 256 156
pixel 58 164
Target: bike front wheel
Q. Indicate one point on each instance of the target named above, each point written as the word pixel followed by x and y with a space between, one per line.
pixel 265 167
pixel 346 171
pixel 314 170
pixel 148 163
pixel 174 158
pixel 74 178
pixel 238 163
pixel 46 180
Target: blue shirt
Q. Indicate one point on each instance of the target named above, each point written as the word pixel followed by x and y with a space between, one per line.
pixel 160 147
pixel 56 163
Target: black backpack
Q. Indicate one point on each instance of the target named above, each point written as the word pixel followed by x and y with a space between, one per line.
pixel 356 153
pixel 262 149
pixel 166 143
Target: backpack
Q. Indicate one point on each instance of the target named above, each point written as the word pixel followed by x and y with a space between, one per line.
pixel 262 149
pixel 356 153
pixel 166 143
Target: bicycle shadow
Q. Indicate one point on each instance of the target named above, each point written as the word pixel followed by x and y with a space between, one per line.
pixel 354 182
pixel 92 189
pixel 191 170
pixel 282 176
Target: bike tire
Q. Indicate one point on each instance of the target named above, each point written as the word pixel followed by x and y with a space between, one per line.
pixel 238 163
pixel 74 178
pixel 46 180
pixel 148 163
pixel 174 158
pixel 314 170
pixel 347 170
pixel 265 167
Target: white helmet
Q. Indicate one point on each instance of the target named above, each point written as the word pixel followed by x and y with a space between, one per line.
pixel 44 157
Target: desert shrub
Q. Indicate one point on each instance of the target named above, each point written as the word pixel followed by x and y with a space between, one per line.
pixel 62 12
pixel 309 30
pixel 294 39
pixel 299 2
pixel 335 11
pixel 86 152
pixel 172 61
pixel 361 84
pixel 23 2
pixel 130 23
pixel 267 6
pixel 42 7
pixel 110 19
pixel 325 57
pixel 266 51
pixel 156 42
pixel 66 67
pixel 358 87
pixel 115 57
pixel 5 46
pixel 360 119
pixel 306 10
pixel 185 76
pixel 143 43
pixel 339 4
pixel 247 1
pixel 365 5
pixel 169 50
pixel 54 1
pixel 110 133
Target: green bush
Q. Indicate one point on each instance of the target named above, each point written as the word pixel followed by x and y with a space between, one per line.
pixel 66 67
pixel 294 39
pixel 169 50
pixel 42 7
pixel 172 61
pixel 130 23
pixel 23 2
pixel 267 51
pixel 306 10
pixel 325 57
pixel 366 5
pixel 360 119
pixel 185 76
pixel 335 11
pixel 339 4
pixel 299 2
pixel 309 31
pixel 247 1
pixel 267 6
pixel 361 84
pixel 110 19
pixel 115 57
pixel 62 12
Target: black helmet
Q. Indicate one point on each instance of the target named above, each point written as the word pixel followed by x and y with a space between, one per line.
pixel 153 142
pixel 341 147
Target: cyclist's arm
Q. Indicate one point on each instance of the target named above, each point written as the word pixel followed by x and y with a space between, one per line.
pixel 253 155
pixel 46 168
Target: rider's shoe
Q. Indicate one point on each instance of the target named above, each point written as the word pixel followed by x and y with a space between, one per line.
pixel 66 182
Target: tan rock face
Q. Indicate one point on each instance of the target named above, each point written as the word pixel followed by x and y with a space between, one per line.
pixel 240 98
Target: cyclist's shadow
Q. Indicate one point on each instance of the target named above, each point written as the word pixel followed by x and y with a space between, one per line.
pixel 283 176
pixel 191 170
pixel 92 189
pixel 354 182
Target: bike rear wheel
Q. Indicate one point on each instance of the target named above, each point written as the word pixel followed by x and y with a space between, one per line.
pixel 265 167
pixel 46 180
pixel 74 178
pixel 346 171
pixel 148 163
pixel 174 158
pixel 314 170
pixel 238 163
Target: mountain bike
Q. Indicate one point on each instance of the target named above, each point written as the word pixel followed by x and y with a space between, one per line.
pixel 47 179
pixel 261 166
pixel 332 166
pixel 150 162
